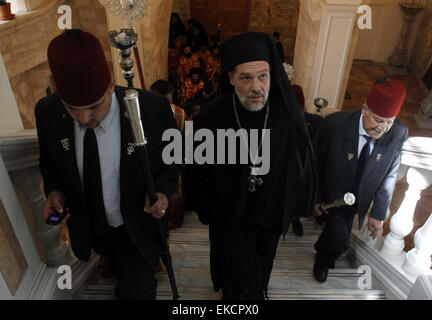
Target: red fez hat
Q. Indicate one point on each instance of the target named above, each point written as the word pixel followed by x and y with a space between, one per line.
pixel 386 97
pixel 79 67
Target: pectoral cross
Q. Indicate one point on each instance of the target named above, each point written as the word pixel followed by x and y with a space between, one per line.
pixel 253 179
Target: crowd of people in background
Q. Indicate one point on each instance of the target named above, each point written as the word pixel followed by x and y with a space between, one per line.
pixel 193 65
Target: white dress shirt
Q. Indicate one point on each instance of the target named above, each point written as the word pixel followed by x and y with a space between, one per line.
pixel 109 142
pixel 362 139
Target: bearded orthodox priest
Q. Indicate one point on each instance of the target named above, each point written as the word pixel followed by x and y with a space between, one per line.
pixel 247 212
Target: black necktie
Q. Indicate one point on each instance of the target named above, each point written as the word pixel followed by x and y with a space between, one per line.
pixel 93 185
pixel 361 163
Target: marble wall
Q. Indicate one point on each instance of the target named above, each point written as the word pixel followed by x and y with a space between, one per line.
pixel 182 8
pixel 380 42
pixel 90 15
pixel 34 4
pixel 23 47
pixel 350 60
pixel 278 15
pixel 154 29
pixel 306 46
pixel 326 41
pixel 25 41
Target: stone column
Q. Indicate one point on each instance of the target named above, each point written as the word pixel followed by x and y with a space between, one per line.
pixel 324 50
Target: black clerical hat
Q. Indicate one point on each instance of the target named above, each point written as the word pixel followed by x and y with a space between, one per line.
pixel 247 47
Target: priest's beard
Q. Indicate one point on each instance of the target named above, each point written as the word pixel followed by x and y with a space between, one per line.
pixel 253 106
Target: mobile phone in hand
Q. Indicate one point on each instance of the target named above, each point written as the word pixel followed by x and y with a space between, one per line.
pixel 56 217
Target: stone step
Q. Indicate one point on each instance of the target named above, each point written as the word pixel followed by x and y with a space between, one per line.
pixel 201 237
pixel 294 284
pixel 318 294
pixel 291 278
pixel 281 262
pixel 308 227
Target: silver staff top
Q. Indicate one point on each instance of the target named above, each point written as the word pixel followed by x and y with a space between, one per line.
pixel 349 198
pixel 132 106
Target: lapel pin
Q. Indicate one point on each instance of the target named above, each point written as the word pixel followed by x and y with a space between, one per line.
pixel 63 116
pixel 65 144
pixel 350 156
pixel 378 157
pixel 130 148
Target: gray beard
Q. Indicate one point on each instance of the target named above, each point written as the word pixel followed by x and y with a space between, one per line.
pixel 253 109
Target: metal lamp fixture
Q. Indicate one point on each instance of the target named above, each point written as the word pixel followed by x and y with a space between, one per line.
pixel 129 10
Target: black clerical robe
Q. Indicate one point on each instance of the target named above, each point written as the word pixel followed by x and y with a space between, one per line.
pixel 222 199
pixel 221 190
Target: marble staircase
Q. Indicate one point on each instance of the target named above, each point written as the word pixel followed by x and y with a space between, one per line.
pixel 291 277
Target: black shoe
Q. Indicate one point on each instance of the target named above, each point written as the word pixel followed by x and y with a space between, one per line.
pixel 297 227
pixel 320 273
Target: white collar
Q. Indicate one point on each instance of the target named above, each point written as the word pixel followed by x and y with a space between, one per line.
pixel 362 131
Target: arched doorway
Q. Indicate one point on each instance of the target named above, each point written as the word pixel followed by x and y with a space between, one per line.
pixel 231 16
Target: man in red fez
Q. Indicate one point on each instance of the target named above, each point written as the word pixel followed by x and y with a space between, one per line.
pixel 90 166
pixel 358 152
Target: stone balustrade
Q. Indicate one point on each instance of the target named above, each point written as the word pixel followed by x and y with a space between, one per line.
pixel 395 269
pixel 38 248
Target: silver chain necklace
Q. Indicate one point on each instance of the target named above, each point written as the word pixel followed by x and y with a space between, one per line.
pixel 253 178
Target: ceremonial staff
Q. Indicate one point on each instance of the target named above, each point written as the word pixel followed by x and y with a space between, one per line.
pixel 123 41
pixel 348 199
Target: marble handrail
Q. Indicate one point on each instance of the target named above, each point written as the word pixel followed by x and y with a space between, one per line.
pixel 417 154
pixel 395 269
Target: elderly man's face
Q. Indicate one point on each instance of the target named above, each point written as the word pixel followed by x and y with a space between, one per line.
pixel 375 125
pixel 251 81
pixel 90 116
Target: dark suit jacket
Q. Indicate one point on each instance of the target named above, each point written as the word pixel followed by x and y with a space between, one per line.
pixel 60 172
pixel 336 145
